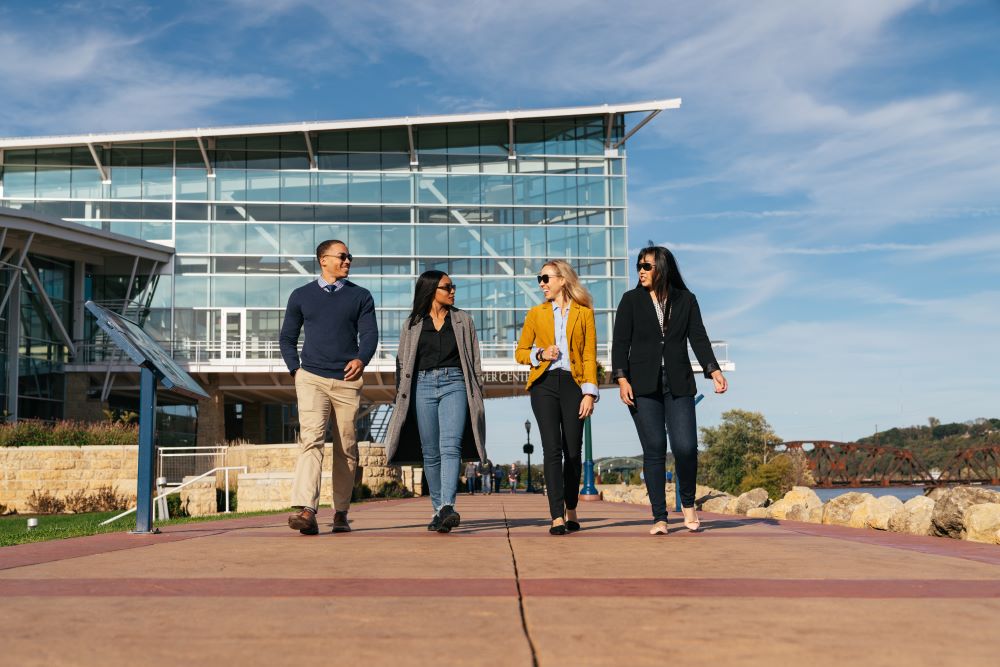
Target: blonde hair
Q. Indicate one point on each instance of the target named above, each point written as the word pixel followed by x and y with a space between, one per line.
pixel 576 291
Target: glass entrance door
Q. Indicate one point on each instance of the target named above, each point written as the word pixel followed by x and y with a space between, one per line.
pixel 234 333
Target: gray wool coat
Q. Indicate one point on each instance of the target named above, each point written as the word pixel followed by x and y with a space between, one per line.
pixel 402 440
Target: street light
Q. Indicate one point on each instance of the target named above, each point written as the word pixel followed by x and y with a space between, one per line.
pixel 528 449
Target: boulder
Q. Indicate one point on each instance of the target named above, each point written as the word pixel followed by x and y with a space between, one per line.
pixel 716 503
pixel 982 523
pixel 815 515
pixel 803 495
pixel 885 508
pixel 863 511
pixel 839 510
pixel 948 519
pixel 759 513
pixel 914 517
pixel 753 498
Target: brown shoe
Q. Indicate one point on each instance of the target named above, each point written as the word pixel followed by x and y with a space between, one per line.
pixel 340 524
pixel 304 522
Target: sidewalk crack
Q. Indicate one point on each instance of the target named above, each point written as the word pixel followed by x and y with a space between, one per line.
pixel 520 597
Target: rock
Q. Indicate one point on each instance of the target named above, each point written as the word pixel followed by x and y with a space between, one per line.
pixel 753 498
pixel 948 519
pixel 885 508
pixel 839 510
pixel 815 515
pixel 914 517
pixel 803 495
pixel 716 503
pixel 936 493
pixel 759 513
pixel 982 523
pixel 863 511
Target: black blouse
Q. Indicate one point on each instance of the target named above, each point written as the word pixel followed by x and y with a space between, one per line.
pixel 437 349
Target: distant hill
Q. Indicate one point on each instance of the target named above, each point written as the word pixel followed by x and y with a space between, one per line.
pixel 935 443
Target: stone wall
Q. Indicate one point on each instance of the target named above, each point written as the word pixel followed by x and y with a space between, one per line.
pixel 281 458
pixel 63 470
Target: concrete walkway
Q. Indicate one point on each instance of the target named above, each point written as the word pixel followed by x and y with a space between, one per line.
pixel 501 591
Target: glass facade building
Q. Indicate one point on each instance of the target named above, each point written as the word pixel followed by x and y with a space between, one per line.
pixel 486 198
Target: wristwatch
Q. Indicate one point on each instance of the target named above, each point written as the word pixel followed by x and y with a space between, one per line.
pixel 538 355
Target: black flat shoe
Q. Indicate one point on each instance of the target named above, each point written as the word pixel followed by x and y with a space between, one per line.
pixel 435 523
pixel 449 519
pixel 557 530
pixel 572 526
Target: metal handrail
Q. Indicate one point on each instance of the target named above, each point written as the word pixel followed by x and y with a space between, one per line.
pixel 181 486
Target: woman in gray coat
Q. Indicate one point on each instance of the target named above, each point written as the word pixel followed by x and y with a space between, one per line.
pixel 438 416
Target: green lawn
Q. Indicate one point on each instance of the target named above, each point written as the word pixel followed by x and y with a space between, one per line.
pixel 14 530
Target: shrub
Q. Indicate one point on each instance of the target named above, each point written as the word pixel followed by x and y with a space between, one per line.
pixel 174 506
pixel 220 500
pixel 361 492
pixel 107 499
pixel 33 433
pixel 80 502
pixel 45 503
pixel 6 510
pixel 779 475
pixel 393 489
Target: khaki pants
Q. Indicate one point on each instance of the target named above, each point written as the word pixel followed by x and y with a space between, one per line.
pixel 316 396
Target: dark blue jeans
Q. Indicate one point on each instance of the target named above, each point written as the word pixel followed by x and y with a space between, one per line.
pixel 656 416
pixel 442 408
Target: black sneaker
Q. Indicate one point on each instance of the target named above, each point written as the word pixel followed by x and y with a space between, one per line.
pixel 435 523
pixel 449 519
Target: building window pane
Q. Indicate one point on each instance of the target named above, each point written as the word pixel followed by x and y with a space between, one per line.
pixel 18 182
pixel 261 292
pixel 529 190
pixel 126 183
pixel 431 240
pixel 529 242
pixel 230 185
pixel 331 187
pixel 464 189
pixel 465 240
pixel 295 186
pixel 228 291
pixel 52 182
pixel 497 190
pixel 262 238
pixel 297 240
pixel 560 190
pixel 365 188
pixel 617 192
pixel 396 240
pixel 263 186
pixel 191 237
pixel 529 137
pixel 190 291
pixel 396 189
pixel 157 183
pixel 229 237
pixel 86 184
pixel 432 189
pixel 192 184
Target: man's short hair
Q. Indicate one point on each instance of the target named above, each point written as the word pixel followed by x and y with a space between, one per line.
pixel 325 245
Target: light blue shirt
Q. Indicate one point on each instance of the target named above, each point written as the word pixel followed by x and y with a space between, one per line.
pixel 562 342
pixel 337 284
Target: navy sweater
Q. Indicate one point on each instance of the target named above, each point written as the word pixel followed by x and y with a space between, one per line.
pixel 339 326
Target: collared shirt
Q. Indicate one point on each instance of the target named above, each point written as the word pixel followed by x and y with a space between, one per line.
pixel 330 287
pixel 561 320
pixel 437 348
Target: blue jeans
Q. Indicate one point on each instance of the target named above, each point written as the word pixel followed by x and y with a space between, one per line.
pixel 655 415
pixel 442 408
pixel 487 482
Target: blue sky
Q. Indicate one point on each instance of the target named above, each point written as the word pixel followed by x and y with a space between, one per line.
pixel 831 184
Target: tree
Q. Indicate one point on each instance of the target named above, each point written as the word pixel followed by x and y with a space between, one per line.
pixel 780 474
pixel 734 448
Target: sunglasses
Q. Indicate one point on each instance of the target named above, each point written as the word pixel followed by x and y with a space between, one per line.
pixel 342 256
pixel 450 287
pixel 544 278
pixel 644 266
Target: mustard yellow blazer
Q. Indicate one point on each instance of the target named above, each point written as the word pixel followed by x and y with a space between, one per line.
pixel 581 333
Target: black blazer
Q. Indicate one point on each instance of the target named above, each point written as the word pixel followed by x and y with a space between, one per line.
pixel 638 343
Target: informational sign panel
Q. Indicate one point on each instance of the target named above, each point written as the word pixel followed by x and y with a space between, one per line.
pixel 144 351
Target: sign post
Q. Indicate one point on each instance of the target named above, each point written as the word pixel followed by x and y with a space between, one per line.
pixel 155 365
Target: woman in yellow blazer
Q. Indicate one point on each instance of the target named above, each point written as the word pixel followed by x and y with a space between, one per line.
pixel 560 342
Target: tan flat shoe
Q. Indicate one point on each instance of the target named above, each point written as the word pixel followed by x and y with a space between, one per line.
pixel 691 521
pixel 660 528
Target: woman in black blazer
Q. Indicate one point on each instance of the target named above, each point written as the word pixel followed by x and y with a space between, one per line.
pixel 650 362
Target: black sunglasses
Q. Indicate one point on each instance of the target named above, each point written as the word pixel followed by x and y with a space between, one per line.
pixel 644 266
pixel 342 256
pixel 450 287
pixel 543 278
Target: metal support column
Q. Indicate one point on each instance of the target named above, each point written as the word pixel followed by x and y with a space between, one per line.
pixel 144 476
pixel 13 344
pixel 589 491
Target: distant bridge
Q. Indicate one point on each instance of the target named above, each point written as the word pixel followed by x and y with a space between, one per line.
pixel 854 464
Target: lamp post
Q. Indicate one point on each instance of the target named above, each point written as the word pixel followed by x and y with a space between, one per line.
pixel 528 449
pixel 589 490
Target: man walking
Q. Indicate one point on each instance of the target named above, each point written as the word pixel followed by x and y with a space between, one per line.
pixel 471 472
pixel 341 334
pixel 487 473
pixel 497 477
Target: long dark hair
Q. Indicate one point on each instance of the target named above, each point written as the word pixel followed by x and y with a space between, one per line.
pixel 667 273
pixel 423 294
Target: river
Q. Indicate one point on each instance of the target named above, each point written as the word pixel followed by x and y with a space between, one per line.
pixel 904 493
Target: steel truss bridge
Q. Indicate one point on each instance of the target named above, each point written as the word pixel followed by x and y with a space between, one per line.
pixel 854 464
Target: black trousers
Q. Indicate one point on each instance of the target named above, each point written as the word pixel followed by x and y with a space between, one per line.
pixel 555 400
pixel 656 415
